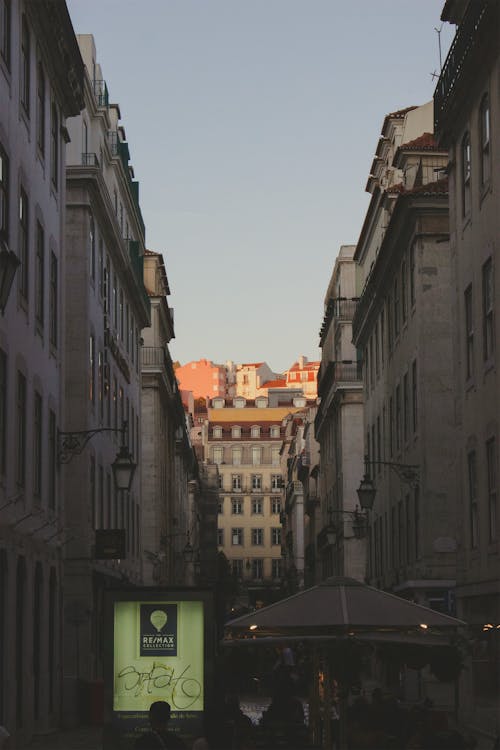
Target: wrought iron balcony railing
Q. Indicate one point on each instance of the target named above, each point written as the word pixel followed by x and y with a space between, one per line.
pixel 101 93
pixel 90 160
pixel 342 308
pixel 346 371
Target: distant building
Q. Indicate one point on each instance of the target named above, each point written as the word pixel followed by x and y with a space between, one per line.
pixel 304 374
pixel 251 377
pixel 203 378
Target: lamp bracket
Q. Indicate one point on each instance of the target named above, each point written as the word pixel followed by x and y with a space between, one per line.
pixel 70 444
pixel 407 473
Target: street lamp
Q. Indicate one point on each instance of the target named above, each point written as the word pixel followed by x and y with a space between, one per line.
pixel 71 444
pixel 407 473
pixel 9 263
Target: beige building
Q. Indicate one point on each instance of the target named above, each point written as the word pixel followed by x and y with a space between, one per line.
pixel 243 438
pixel 168 512
pixel 41 85
pixel 341 543
pixel 250 377
pixel 106 307
pixel 467 112
pixel 403 326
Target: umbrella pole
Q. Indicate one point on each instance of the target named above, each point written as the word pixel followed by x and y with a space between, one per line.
pixel 314 717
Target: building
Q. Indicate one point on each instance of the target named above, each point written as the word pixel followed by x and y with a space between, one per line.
pixel 305 375
pixel 341 546
pixel 204 378
pixel 467 112
pixel 41 85
pixel 168 512
pixel 403 324
pixel 243 439
pixel 251 377
pixel 106 307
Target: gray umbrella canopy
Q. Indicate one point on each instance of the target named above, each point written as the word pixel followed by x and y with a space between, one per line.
pixel 340 606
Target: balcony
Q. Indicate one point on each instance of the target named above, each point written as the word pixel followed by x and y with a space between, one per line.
pixel 90 160
pixel 476 31
pixel 101 93
pixel 341 308
pixel 345 371
pixel 156 359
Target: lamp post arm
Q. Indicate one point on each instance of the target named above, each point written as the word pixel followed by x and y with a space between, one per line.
pixel 71 444
pixel 408 473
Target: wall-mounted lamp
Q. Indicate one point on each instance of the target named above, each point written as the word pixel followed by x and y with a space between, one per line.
pixel 407 473
pixel 71 444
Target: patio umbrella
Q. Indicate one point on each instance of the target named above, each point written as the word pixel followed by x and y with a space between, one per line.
pixel 339 610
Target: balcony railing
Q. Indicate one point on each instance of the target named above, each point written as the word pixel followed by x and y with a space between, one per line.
pixel 346 371
pixel 470 32
pixel 342 308
pixel 90 160
pixel 101 93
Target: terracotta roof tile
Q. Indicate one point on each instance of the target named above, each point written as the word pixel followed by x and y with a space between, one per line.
pixel 424 141
pixel 274 384
pixel 439 187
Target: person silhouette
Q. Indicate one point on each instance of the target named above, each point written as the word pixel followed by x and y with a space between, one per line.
pixel 159 738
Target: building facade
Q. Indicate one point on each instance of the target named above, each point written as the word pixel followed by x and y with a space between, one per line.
pixel 41 85
pixel 203 378
pixel 341 547
pixel 243 439
pixel 467 112
pixel 106 307
pixel 403 325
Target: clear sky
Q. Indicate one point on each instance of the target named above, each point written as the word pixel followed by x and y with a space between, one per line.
pixel 252 126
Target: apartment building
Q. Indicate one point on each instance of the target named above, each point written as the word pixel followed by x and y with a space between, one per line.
pixel 403 325
pixel 243 438
pixel 203 378
pixel 341 543
pixel 168 512
pixel 106 307
pixel 467 112
pixel 41 85
pixel 304 374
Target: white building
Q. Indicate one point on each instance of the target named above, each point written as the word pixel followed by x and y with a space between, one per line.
pixel 41 80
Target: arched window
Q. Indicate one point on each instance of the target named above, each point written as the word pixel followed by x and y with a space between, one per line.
pixel 255 431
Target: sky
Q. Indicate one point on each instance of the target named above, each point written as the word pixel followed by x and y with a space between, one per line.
pixel 252 126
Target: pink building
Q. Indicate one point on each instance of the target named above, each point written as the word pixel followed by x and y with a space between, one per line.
pixel 304 374
pixel 203 378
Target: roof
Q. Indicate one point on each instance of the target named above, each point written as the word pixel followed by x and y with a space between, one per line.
pixel 252 364
pixel 439 187
pixel 424 141
pixel 274 384
pixel 150 252
pixel 252 414
pixel 305 366
pixel 400 113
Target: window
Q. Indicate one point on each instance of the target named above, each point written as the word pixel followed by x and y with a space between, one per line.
pixel 257 569
pixel 403 292
pixel 391 427
pixel 237 506
pixel 40 109
pixel 236 482
pixel 24 83
pixel 4 196
pixel 275 505
pixel 121 316
pixel 3 410
pixel 256 455
pixel 276 535
pixel 236 455
pixel 276 482
pixel 396 307
pixel 257 537
pixel 407 529
pixel 276 568
pixel 484 116
pixel 237 568
pixel 52 450
pixel 21 430
pixel 466 170
pixel 256 482
pixel 412 275
pixel 469 332
pixel 92 369
pixel 275 431
pixel 54 146
pixel 236 432
pixel 488 304
pixel 217 432
pixel 40 276
pixel 406 407
pixel 398 417
pixel 372 363
pixel 100 383
pixel 377 350
pixel 416 517
pixel 53 301
pixel 257 507
pixel 275 455
pixel 220 506
pixel 414 396
pixel 220 537
pixel 5 31
pixel 236 537
pixel 389 322
pixel 491 469
pixel 220 481
pixel 382 337
pixel 23 245
pixel 37 446
pixel 218 455
pixel 255 431
pixel 92 489
pixel 473 510
pixel 92 248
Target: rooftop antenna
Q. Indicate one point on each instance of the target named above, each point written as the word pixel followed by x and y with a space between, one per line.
pixel 438 31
